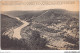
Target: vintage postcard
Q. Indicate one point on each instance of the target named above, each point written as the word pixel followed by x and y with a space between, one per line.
pixel 40 25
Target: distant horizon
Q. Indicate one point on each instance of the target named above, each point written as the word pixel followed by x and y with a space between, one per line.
pixel 40 10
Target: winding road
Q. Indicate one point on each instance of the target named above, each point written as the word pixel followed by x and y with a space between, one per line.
pixel 17 30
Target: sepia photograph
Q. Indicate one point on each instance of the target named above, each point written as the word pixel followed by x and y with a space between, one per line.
pixel 40 25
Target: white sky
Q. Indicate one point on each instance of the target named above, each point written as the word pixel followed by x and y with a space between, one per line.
pixel 14 6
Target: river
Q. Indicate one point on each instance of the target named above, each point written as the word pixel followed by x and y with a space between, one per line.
pixel 17 30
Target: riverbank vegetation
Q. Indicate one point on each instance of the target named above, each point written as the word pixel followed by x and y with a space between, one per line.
pixel 53 29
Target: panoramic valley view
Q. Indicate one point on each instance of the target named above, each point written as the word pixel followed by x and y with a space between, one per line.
pixel 52 29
